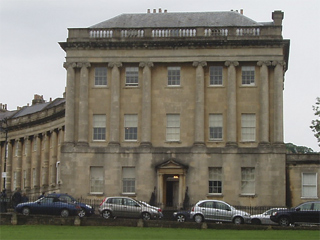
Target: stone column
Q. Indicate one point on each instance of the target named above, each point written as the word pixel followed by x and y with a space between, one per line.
pixel 70 102
pixel 83 117
pixel 53 161
pixel 45 162
pixel 27 141
pixel 146 104
pixel 36 183
pixel 278 101
pixel 232 104
pixel 19 163
pixel 9 167
pixel 264 102
pixel 115 104
pixel 199 104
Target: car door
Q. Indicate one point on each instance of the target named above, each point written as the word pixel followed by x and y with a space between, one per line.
pixel 303 213
pixel 222 212
pixel 208 210
pixel 316 212
pixel 132 208
pixel 116 205
pixel 44 206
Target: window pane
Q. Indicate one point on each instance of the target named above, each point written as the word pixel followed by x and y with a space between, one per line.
pixel 132 76
pixel 215 126
pixel 247 180
pixel 248 75
pixel 100 76
pixel 99 127
pixel 248 127
pixel 131 127
pixel 216 75
pixel 128 179
pixel 173 127
pixel 96 179
pixel 309 185
pixel 173 76
pixel 215 180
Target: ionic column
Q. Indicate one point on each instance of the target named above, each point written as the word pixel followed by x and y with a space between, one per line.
pixel 199 103
pixel 232 104
pixel 27 141
pixel 115 104
pixel 9 166
pixel 264 102
pixel 53 161
pixel 70 102
pixel 37 165
pixel 19 162
pixel 45 162
pixel 278 101
pixel 146 103
pixel 83 103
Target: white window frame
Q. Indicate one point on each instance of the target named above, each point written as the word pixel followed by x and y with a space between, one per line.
pixel 132 76
pixel 128 180
pixel 248 181
pixel 96 180
pixel 215 127
pixel 215 177
pixel 130 127
pixel 100 77
pixel 310 185
pixel 173 128
pixel 248 127
pixel 216 75
pixel 248 75
pixel 174 76
pixel 99 124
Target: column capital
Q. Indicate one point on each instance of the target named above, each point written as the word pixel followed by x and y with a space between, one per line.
pixel 146 64
pixel 281 63
pixel 261 63
pixel 115 64
pixel 199 63
pixel 83 64
pixel 66 65
pixel 229 63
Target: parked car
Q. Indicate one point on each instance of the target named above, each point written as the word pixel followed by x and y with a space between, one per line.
pixel 86 210
pixel 219 211
pixel 159 210
pixel 181 216
pixel 49 205
pixel 264 218
pixel 308 212
pixel 112 207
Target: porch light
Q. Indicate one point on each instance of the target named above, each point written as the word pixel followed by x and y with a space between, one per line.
pixel 175 177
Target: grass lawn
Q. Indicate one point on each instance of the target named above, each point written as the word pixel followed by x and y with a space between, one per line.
pixel 71 232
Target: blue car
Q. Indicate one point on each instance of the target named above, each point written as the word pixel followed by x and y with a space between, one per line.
pixel 48 206
pixel 86 210
pixel 181 216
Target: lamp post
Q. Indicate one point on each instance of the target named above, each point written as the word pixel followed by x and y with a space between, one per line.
pixel 5 130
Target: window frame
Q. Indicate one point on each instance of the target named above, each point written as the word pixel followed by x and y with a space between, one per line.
pixel 309 185
pixel 174 76
pixel 215 177
pixel 215 76
pixel 215 124
pixel 132 76
pixel 100 77
pixel 100 126
pixel 173 129
pixel 131 127
pixel 246 178
pixel 97 181
pixel 128 180
pixel 248 130
pixel 248 76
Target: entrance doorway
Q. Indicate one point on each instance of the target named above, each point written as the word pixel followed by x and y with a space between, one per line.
pixel 172 190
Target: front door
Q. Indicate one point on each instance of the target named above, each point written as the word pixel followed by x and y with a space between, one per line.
pixel 172 191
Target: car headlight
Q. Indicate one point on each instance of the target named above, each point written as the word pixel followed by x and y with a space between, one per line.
pixel 88 206
pixel 274 213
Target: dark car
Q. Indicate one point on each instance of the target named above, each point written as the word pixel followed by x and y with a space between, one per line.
pixel 308 212
pixel 181 216
pixel 86 210
pixel 49 206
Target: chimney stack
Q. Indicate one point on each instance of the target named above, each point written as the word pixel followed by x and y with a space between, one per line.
pixel 277 17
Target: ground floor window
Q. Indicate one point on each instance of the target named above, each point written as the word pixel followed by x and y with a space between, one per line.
pixel 96 180
pixel 248 181
pixel 309 185
pixel 215 180
pixel 128 180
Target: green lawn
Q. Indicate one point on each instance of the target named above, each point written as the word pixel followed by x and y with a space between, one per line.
pixel 71 232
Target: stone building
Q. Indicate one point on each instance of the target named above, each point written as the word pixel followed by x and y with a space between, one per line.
pixel 159 103
pixel 165 105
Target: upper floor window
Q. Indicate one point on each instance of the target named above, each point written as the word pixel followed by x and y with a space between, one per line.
pixel 132 76
pixel 215 75
pixel 99 127
pixel 100 76
pixel 173 127
pixel 248 180
pixel 248 75
pixel 248 127
pixel 215 180
pixel 174 76
pixel 130 127
pixel 215 127
pixel 128 180
pixel 309 185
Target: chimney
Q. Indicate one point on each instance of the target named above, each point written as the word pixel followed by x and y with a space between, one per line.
pixel 277 17
pixel 165 11
pixel 148 10
pixel 241 11
pixel 37 99
pixel 3 107
pixel 154 10
pixel 160 11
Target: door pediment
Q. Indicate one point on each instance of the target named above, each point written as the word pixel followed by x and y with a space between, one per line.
pixel 171 167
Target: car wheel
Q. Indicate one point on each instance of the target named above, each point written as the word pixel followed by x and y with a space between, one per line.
pixel 284 221
pixel 146 216
pixel 238 220
pixel 82 213
pixel 106 214
pixel 198 218
pixel 181 218
pixel 26 211
pixel 64 213
pixel 256 221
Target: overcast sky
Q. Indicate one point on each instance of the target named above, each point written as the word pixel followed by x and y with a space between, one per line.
pixel 31 60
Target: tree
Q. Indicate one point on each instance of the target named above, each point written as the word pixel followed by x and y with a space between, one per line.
pixel 316 123
pixel 291 148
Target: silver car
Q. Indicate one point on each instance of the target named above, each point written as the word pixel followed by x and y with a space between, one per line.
pixel 264 218
pixel 218 211
pixel 112 207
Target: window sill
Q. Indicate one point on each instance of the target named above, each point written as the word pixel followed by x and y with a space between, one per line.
pixel 98 194
pixel 252 195
pixel 173 142
pixel 129 194
pixel 311 198
pixel 215 195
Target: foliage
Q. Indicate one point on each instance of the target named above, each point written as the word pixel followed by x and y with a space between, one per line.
pixel 291 148
pixel 316 123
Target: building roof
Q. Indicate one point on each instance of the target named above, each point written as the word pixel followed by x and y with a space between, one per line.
pixel 186 19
